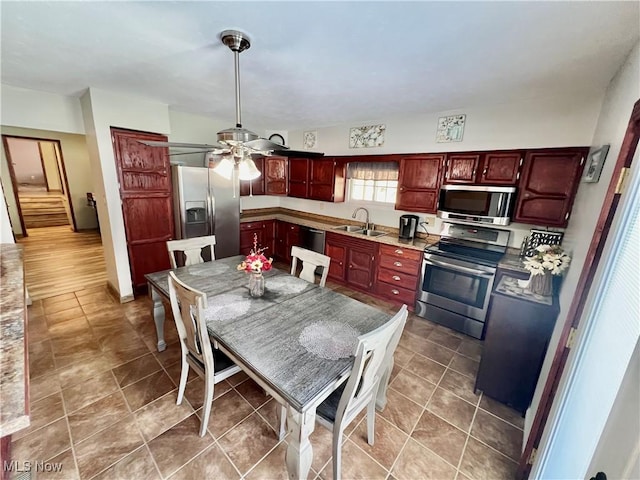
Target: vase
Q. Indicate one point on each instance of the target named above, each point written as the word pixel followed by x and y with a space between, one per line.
pixel 256 284
pixel 541 284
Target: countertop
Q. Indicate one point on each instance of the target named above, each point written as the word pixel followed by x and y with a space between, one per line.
pixel 513 262
pixel 14 374
pixel 509 286
pixel 391 238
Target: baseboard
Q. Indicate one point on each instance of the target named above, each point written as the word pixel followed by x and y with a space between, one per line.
pixel 113 291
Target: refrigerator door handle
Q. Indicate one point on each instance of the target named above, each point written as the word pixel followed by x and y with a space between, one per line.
pixel 211 214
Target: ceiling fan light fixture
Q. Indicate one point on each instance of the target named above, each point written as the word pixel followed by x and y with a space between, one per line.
pixel 248 170
pixel 235 136
pixel 224 168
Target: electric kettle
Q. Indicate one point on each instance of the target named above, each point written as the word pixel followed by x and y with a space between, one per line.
pixel 408 225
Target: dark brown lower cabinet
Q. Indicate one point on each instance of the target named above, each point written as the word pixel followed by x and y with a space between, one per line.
pixel 516 339
pixel 352 260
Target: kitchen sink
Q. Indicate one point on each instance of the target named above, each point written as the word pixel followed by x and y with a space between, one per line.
pixel 372 233
pixel 349 228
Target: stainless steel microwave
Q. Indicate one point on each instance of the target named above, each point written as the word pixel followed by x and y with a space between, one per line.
pixel 477 204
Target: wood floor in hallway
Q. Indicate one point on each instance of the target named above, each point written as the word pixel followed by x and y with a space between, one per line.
pixel 58 261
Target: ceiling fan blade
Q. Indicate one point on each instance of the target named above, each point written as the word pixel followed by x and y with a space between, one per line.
pixel 297 153
pixel 193 152
pixel 153 143
pixel 264 145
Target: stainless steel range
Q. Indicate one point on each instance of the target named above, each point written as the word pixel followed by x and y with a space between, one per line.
pixel 457 276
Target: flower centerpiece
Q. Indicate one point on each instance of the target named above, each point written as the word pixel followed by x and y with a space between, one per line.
pixel 255 263
pixel 548 260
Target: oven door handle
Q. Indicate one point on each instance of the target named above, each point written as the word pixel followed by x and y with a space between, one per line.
pixel 459 268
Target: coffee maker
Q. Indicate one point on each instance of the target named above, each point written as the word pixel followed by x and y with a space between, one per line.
pixel 408 225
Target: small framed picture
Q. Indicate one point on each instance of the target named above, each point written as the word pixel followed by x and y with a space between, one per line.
pixel 450 129
pixel 310 139
pixel 595 162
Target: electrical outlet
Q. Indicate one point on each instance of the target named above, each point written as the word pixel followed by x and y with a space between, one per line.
pixel 429 221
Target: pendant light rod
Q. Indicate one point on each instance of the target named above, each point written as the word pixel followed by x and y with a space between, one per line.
pixel 236 57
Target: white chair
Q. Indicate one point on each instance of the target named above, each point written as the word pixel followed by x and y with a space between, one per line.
pixel 310 261
pixel 192 249
pixel 374 355
pixel 214 366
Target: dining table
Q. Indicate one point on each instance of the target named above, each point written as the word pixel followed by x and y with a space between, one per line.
pixel 297 341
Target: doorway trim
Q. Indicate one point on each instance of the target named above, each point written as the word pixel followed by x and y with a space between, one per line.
pixel 61 170
pixel 592 261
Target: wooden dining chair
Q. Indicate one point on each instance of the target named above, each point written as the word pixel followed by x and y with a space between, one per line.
pixel 187 305
pixel 310 261
pixel 374 354
pixel 192 250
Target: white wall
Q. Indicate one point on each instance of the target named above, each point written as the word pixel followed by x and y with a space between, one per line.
pixel 6 234
pixel 51 165
pixel 27 165
pixel 40 110
pixel 618 451
pixel 101 111
pixel 622 93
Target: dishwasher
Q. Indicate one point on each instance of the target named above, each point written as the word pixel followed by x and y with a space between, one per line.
pixel 313 239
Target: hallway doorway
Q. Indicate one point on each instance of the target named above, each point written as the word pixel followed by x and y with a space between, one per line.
pixel 39 183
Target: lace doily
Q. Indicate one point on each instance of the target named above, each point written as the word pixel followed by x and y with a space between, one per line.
pixel 286 285
pixel 227 307
pixel 202 270
pixel 329 340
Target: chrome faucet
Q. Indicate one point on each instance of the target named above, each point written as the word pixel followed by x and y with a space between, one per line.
pixel 366 220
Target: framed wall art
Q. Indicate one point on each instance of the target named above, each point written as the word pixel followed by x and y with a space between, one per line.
pixel 450 129
pixel 595 162
pixel 367 136
pixel 310 139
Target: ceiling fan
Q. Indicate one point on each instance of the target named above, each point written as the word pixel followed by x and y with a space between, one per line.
pixel 236 144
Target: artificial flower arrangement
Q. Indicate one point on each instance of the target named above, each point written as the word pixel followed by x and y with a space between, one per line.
pixel 548 258
pixel 256 261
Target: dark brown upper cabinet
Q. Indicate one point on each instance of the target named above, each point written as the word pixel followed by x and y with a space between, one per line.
pixel 548 186
pixel 461 168
pixel 419 182
pixel 275 175
pixel 490 168
pixel 317 179
pixel 500 168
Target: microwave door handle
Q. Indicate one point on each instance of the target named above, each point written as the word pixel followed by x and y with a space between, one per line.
pixel 459 268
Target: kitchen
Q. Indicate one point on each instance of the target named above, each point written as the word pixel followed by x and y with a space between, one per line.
pixel 523 124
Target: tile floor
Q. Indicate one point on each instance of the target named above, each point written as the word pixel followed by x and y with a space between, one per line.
pixel 103 406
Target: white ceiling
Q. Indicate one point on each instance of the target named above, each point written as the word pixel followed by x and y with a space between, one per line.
pixel 315 64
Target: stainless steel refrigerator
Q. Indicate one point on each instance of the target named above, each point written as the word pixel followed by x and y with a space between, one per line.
pixel 206 203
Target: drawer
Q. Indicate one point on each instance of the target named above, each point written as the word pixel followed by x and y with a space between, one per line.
pixel 407 254
pixel 400 264
pixel 396 293
pixel 251 226
pixel 400 279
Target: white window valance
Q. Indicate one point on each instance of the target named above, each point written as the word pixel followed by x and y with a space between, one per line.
pixel 373 170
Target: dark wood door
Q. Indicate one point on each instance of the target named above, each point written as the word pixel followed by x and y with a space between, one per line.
pixel 254 187
pixel 548 186
pixel 145 190
pixel 360 266
pixel 500 168
pixel 321 178
pixel 419 183
pixel 462 168
pixel 275 175
pixel 299 177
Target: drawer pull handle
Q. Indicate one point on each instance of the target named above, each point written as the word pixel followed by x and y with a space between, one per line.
pixel 395 292
pixel 399 252
pixel 396 278
pixel 397 264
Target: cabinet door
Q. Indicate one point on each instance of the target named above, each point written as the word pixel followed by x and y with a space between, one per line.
pixel 256 186
pixel 268 237
pixel 275 175
pixel 298 177
pixel 548 186
pixel 500 168
pixel 462 168
pixel 360 263
pixel 338 253
pixel 247 231
pixel 419 183
pixel 321 179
